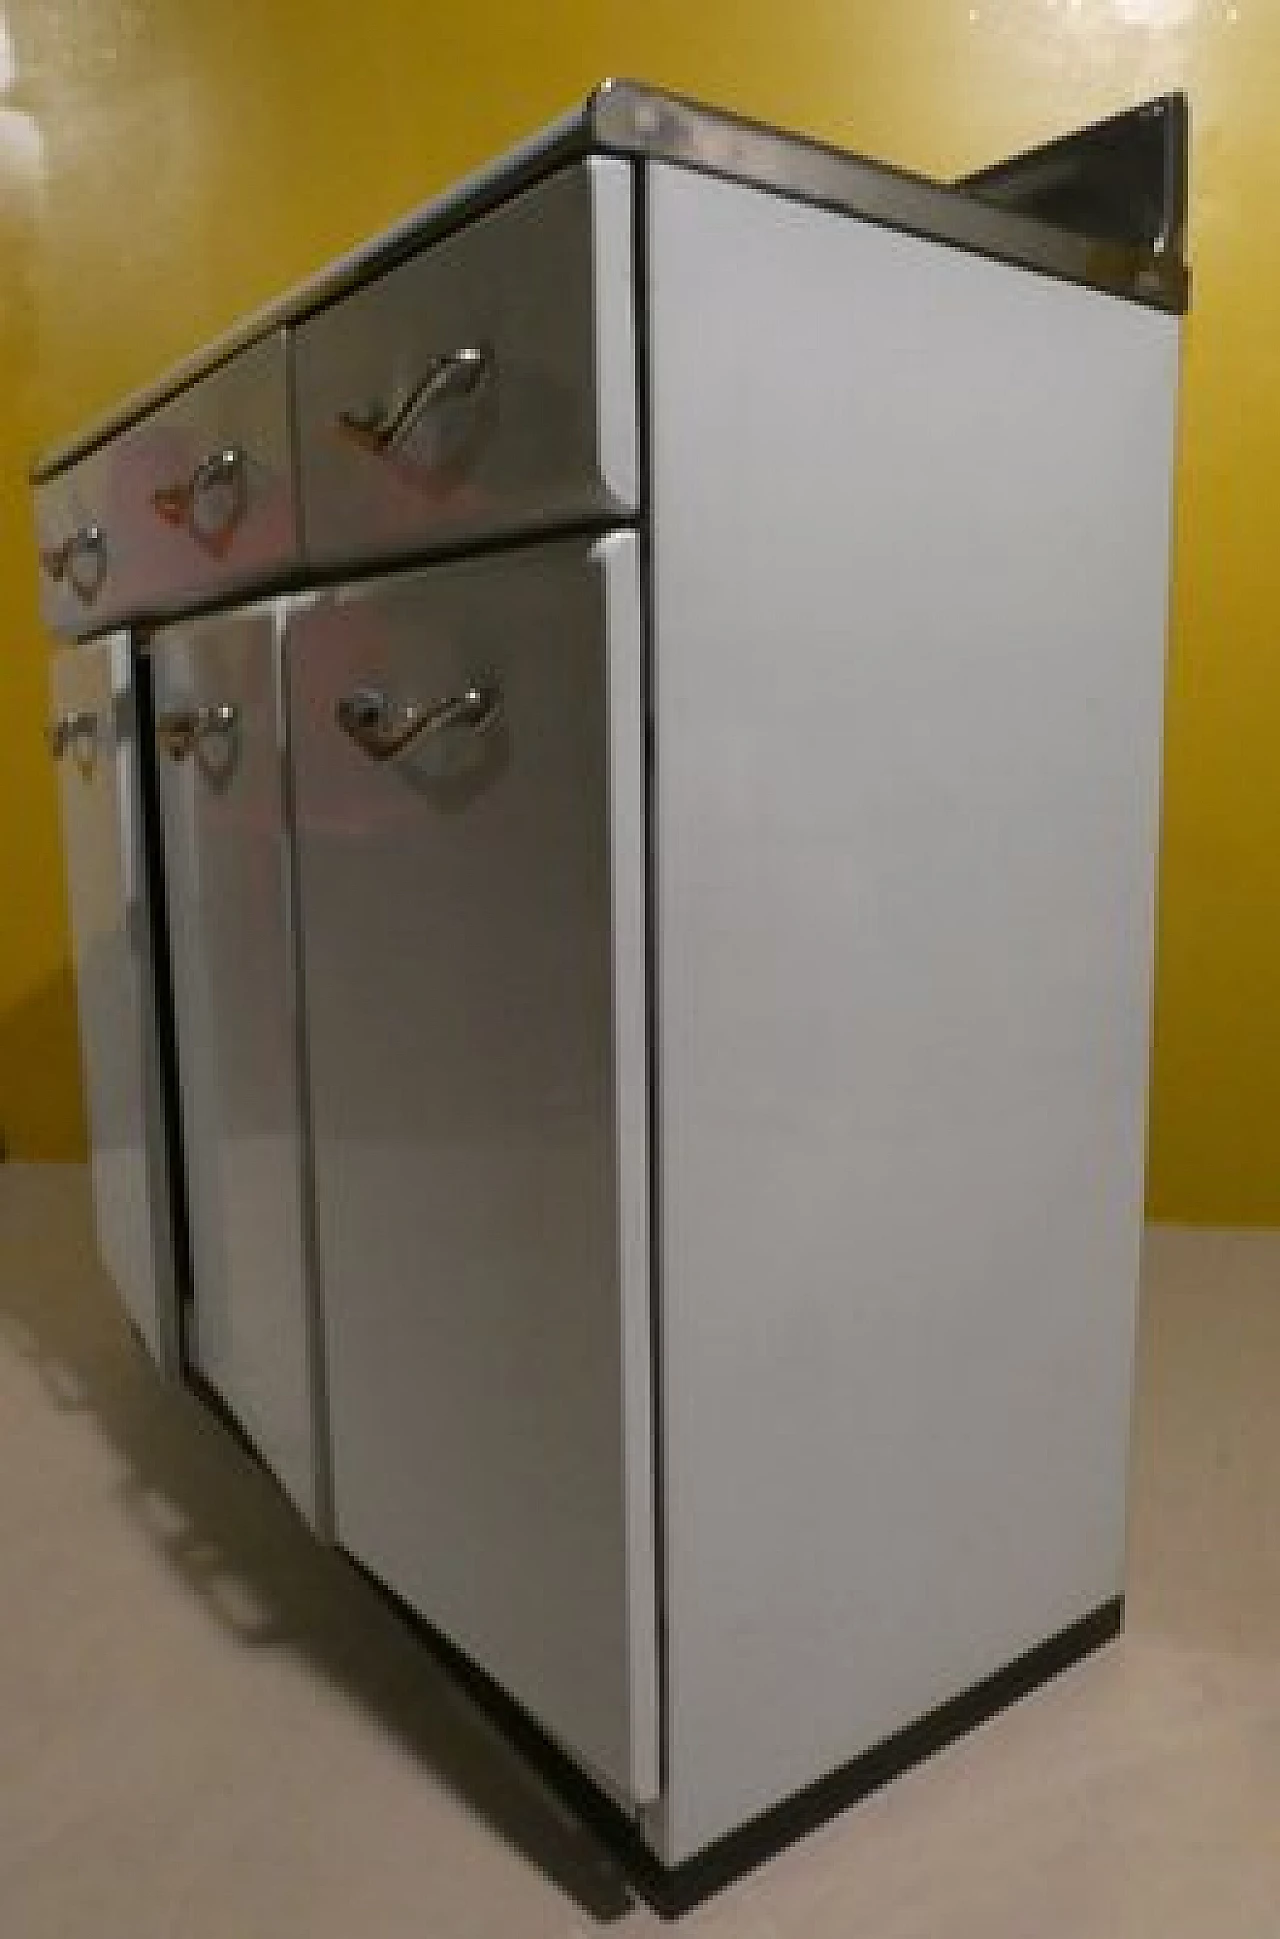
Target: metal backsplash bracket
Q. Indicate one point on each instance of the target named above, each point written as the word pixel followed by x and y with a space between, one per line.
pixel 1122 183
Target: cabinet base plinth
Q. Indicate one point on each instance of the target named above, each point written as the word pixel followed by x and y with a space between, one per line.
pixel 676 1889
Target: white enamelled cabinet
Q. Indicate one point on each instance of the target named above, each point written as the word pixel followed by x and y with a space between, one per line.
pixel 628 894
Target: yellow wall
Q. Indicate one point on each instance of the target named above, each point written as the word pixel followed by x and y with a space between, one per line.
pixel 165 165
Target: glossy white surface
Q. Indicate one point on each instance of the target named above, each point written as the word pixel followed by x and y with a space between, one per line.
pixel 253 1332
pixel 110 929
pixel 472 922
pixel 909 617
pixel 544 287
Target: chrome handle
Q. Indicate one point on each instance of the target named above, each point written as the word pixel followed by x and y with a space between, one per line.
pixel 81 560
pixel 71 731
pixel 212 502
pixel 381 729
pixel 219 494
pixel 180 731
pixel 453 375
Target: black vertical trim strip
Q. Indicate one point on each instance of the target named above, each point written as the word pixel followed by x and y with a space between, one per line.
pixel 648 697
pixel 142 677
pixel 296 1002
pixel 293 434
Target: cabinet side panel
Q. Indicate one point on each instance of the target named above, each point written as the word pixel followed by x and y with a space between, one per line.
pixel 911 514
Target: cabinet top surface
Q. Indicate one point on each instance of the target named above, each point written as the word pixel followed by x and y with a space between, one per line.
pixel 1105 208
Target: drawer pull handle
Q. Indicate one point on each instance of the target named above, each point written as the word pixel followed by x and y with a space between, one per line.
pixel 180 732
pixel 454 375
pixel 381 729
pixel 76 733
pixel 211 503
pixel 81 560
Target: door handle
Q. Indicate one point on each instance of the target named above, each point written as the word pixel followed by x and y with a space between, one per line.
pixel 180 731
pixel 81 560
pixel 453 375
pixel 70 732
pixel 381 728
pixel 212 502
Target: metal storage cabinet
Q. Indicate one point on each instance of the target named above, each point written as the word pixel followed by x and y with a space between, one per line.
pixel 686 962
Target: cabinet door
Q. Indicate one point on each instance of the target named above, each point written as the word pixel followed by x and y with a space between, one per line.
pixel 251 1333
pixel 473 942
pixel 94 733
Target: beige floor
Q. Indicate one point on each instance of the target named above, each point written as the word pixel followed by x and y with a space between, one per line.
pixel 210 1730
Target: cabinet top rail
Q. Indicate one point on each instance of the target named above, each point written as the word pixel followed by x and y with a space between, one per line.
pixel 1105 207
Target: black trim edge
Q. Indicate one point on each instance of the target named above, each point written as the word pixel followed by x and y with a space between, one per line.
pixel 649 714
pixel 675 1890
pixel 161 966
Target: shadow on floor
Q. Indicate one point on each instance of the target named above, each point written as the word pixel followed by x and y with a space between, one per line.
pixel 229 1536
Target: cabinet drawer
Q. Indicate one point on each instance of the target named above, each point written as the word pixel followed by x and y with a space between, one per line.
pixel 195 501
pixel 485 386
pixel 202 491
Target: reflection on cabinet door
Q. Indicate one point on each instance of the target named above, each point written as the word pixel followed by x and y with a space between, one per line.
pixel 251 1333
pixel 468 790
pixel 93 732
